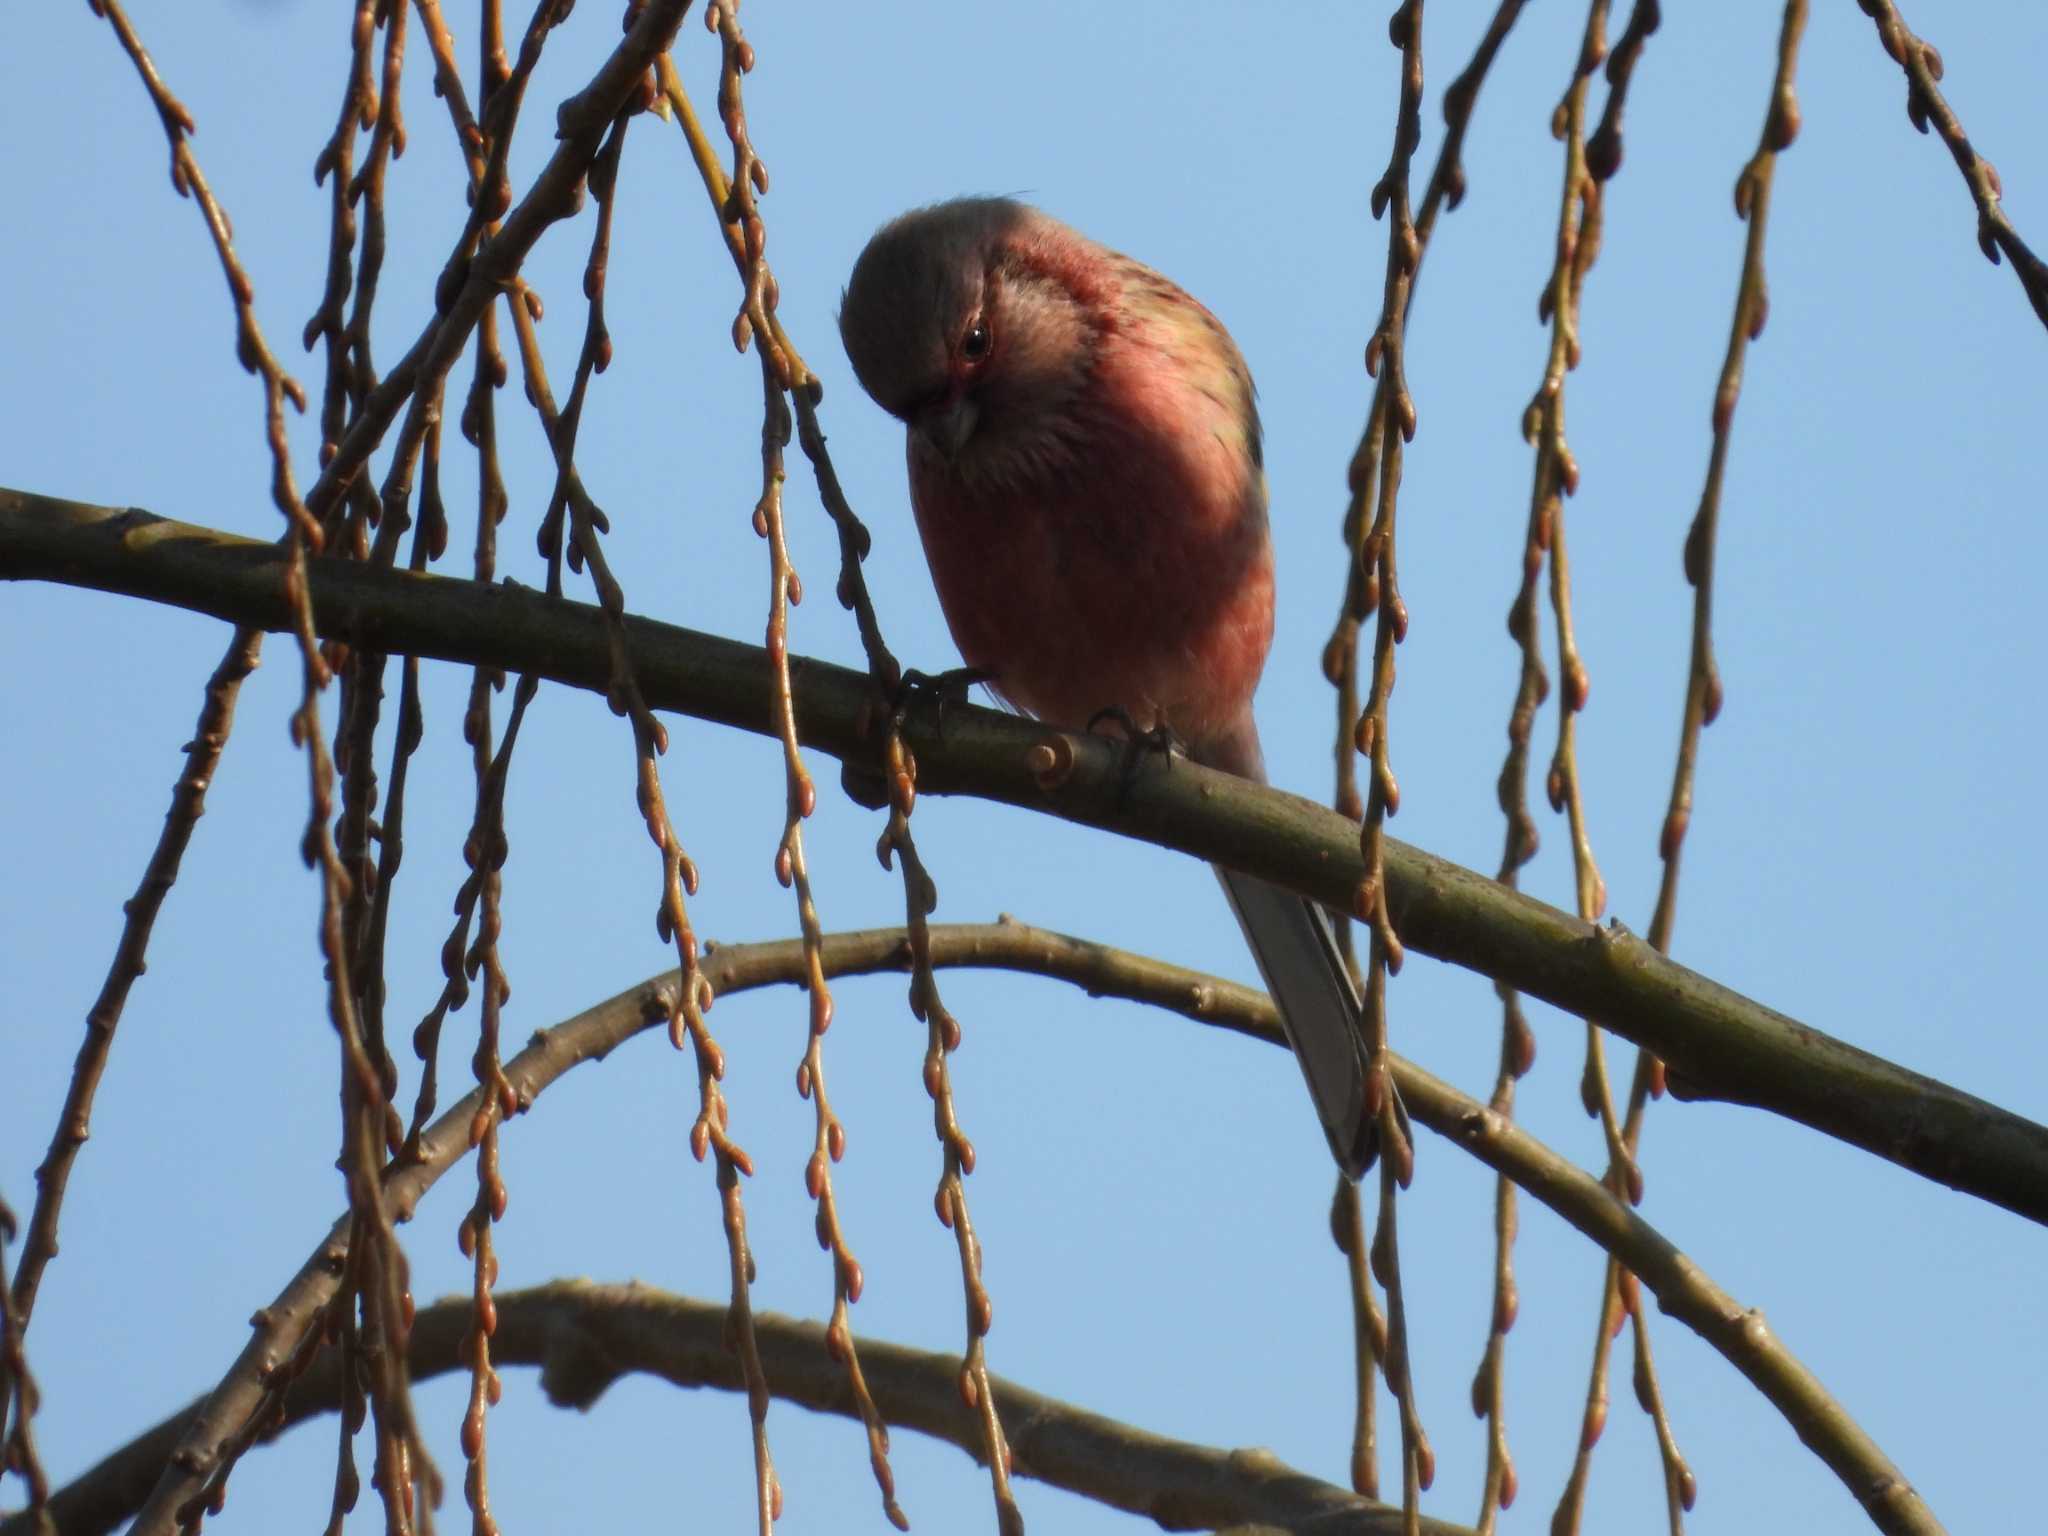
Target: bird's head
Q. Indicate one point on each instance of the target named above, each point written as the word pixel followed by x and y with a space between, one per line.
pixel 976 322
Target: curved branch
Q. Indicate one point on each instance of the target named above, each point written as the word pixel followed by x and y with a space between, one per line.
pixel 183 1444
pixel 584 1336
pixel 1719 1044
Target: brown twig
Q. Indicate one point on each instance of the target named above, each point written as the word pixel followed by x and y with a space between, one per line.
pixel 346 385
pixel 1368 1335
pixel 920 899
pixel 792 869
pixel 1925 106
pixel 19 1398
pixel 1446 190
pixel 1384 360
pixel 188 803
pixel 402 1454
pixel 365 913
pixel 474 278
pixel 1589 162
pixel 1489 1383
pixel 748 178
pixel 854 541
pixel 251 350
pixel 1555 477
pixel 377 1265
pixel 718 186
pixel 1603 147
pixel 486 850
pixel 448 76
pixel 732 196
pixel 1703 695
pixel 377 1269
pixel 586 523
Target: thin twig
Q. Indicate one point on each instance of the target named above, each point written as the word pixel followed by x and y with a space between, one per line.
pixel 1588 163
pixel 1446 189
pixel 475 277
pixel 19 1398
pixel 402 1452
pixel 793 870
pixel 1703 694
pixel 1385 360
pixel 188 804
pixel 1926 106
pixel 732 196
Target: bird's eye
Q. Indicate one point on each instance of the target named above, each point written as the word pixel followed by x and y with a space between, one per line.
pixel 975 344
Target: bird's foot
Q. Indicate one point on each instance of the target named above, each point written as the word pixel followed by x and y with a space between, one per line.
pixel 1138 744
pixel 946 689
pixel 865 786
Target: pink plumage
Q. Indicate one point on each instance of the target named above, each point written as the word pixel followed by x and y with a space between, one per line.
pixel 1115 553
pixel 1086 473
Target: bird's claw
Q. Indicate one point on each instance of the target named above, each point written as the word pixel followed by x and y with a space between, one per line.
pixel 946 689
pixel 863 784
pixel 1138 744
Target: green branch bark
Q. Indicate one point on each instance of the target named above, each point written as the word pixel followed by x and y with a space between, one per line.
pixel 1180 1486
pixel 1718 1043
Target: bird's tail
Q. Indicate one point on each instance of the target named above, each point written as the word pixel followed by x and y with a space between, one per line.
pixel 1297 951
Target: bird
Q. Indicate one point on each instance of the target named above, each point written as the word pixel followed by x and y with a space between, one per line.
pixel 1087 476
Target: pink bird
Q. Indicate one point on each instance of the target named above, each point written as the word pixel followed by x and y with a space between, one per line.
pixel 1086 472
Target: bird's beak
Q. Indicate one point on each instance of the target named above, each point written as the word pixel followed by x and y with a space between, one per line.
pixel 946 427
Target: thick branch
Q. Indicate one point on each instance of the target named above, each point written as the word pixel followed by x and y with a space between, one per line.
pixel 1719 1044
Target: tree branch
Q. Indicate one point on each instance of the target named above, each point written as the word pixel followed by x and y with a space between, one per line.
pixel 104 1496
pixel 1718 1043
pixel 584 1336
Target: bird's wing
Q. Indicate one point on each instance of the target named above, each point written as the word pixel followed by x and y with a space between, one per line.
pixel 1297 951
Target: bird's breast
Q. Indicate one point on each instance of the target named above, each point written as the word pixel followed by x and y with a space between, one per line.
pixel 1131 568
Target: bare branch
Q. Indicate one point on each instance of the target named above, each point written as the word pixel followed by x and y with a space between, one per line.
pixel 1682 1288
pixel 1719 1044
pixel 583 1336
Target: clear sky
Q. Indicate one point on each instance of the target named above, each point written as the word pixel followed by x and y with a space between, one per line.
pixel 1866 852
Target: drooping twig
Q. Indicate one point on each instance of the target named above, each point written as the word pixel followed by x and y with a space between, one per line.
pixel 1589 163
pixel 1384 358
pixel 474 277
pixel 793 870
pixel 19 1398
pixel 1926 106
pixel 188 803
pixel 1446 190
pixel 733 197
pixel 402 1451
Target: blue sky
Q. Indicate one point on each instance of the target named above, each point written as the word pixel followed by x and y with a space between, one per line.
pixel 1865 852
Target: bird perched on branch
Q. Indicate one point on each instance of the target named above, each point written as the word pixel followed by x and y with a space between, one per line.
pixel 1086 472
